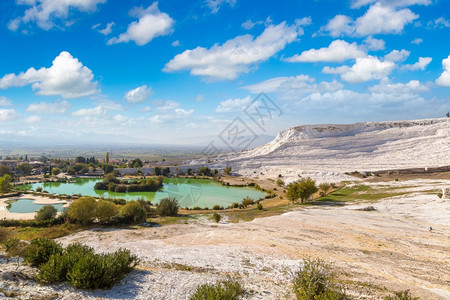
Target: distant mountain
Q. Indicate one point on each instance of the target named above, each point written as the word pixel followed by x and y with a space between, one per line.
pixel 325 152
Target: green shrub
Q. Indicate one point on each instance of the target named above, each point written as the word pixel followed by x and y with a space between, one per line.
pixel 4 234
pixel 227 290
pixel 133 212
pixel 316 280
pixel 217 207
pixel 217 217
pixel 402 295
pixel 280 182
pixel 168 207
pixel 39 189
pixel 439 195
pixel 259 206
pixel 105 211
pixel 234 205
pixel 46 212
pixel 247 201
pixel 40 250
pixel 82 210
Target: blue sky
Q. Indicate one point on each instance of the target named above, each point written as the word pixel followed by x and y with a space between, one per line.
pixel 179 72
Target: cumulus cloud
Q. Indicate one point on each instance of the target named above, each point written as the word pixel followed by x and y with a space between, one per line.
pixel 233 105
pixel 440 22
pixel 413 86
pixel 178 113
pixel 85 112
pixel 139 94
pixel 337 51
pixel 105 31
pixel 364 69
pixel 378 19
pixel 215 5
pixel 421 64
pixel 5 101
pixel 67 77
pixel 48 108
pixel 8 115
pixel 294 86
pixel 249 24
pixel 167 105
pixel 151 24
pixel 417 41
pixel 33 119
pixel 444 79
pixel 235 56
pixel 397 56
pixel 374 44
pixel 50 13
pixel 394 3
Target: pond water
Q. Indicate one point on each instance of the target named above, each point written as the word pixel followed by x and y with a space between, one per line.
pixel 29 206
pixel 189 192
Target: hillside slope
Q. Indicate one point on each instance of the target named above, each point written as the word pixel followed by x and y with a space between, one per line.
pixel 325 152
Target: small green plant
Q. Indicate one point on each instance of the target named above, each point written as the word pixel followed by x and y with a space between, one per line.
pixel 46 212
pixel 217 217
pixel 439 195
pixel 133 212
pixel 280 182
pixel 259 206
pixel 247 201
pixel 226 290
pixel 402 295
pixel 168 207
pixel 316 280
pixel 40 250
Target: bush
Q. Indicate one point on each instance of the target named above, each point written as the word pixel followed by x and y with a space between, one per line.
pixel 217 217
pixel 39 189
pixel 133 212
pixel 168 207
pixel 302 189
pixel 82 210
pixel 259 206
pixel 105 211
pixel 315 280
pixel 247 201
pixel 402 295
pixel 227 290
pixel 40 250
pixel 280 182
pixel 82 268
pixel 47 212
pixel 4 234
pixel 234 205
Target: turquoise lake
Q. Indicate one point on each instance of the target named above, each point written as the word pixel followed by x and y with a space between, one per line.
pixel 29 206
pixel 189 192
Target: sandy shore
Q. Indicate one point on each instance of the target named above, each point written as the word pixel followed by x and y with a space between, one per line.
pixel 4 213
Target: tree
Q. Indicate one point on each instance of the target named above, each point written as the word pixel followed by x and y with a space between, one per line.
pixel 5 183
pixel 447 114
pixel 137 163
pixel 47 212
pixel 4 169
pixel 325 187
pixel 158 171
pixel 168 207
pixel 227 170
pixel 80 160
pixel 56 171
pixel 83 210
pixel 107 158
pixel 166 171
pixel 280 182
pixel 302 189
pixel 133 211
pixel 105 211
pixel 25 169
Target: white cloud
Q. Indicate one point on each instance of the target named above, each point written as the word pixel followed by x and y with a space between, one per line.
pixel 419 65
pixel 233 105
pixel 199 98
pixel 49 108
pixel 8 115
pixel 33 119
pixel 294 86
pixel 440 22
pixel 5 101
pixel 235 56
pixel 151 24
pixel 417 41
pixel 66 77
pixel 46 12
pixel 337 51
pixel 123 120
pixel 374 44
pixel 139 94
pixel 167 105
pixel 215 5
pixel 178 113
pixel 413 86
pixel 86 112
pixel 378 19
pixel 176 43
pixel 105 31
pixel 397 56
pixel 364 69
pixel 444 79
pixel 340 25
pixel 146 109
pixel 394 3
pixel 249 24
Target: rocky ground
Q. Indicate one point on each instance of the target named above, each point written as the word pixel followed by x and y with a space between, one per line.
pixel 402 244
